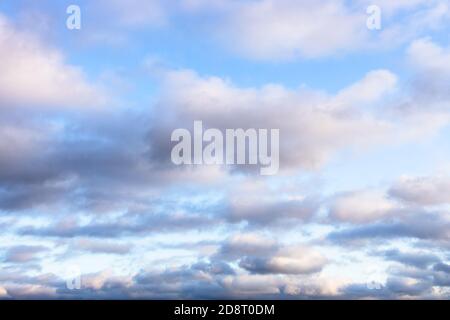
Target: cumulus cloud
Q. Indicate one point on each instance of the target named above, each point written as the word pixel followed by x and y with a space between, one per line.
pixel 212 278
pixel 254 202
pixel 313 126
pixel 426 191
pixel 246 244
pixel 34 74
pixel 422 225
pixel 198 282
pixel 362 206
pixel 290 260
pixel 102 183
pixel 259 254
pixel 267 212
pixel 429 61
pixel 47 165
pixel 3 292
pixel 395 287
pixel 289 29
pixel 425 55
pixel 374 86
pixel 416 259
pixel 441 276
pixel 394 6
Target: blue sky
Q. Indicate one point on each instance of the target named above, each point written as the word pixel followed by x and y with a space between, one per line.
pixel 358 209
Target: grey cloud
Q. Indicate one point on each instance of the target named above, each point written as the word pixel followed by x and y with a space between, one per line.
pixel 271 212
pixel 394 288
pixel 416 278
pixel 402 286
pixel 314 125
pixel 246 245
pixel 432 226
pixel 211 280
pixel 23 253
pixel 362 206
pixel 126 225
pixel 261 255
pixel 25 196
pixel 441 275
pixel 271 266
pixel 193 283
pixel 442 267
pixel 416 259
pixel 423 190
pixel 214 267
pixel 73 164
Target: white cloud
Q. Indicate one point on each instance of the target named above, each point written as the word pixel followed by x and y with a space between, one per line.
pixel 425 55
pixel 31 291
pixel 32 74
pixel 255 202
pixel 288 260
pixel 373 86
pixel 286 29
pixel 313 125
pixel 292 29
pixel 23 253
pixel 362 206
pixel 252 285
pixel 3 292
pixel 392 7
pixel 316 126
pixel 246 244
pixel 97 280
pixel 423 190
pixel 19 143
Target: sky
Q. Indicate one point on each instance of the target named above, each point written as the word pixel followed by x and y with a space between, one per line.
pixel 92 207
